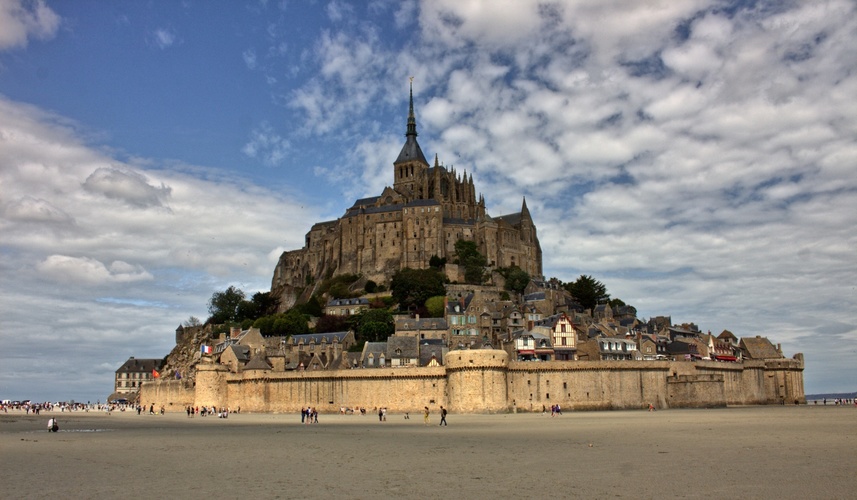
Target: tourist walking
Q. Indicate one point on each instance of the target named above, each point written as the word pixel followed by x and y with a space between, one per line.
pixel 426 416
pixel 442 416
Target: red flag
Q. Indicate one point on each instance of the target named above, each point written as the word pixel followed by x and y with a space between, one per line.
pixel 155 373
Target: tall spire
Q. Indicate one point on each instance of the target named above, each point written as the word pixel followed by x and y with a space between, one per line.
pixel 412 119
pixel 411 150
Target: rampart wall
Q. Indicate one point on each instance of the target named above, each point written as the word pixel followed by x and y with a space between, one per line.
pixel 485 381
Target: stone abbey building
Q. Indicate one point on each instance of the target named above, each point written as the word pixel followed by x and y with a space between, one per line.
pixel 426 211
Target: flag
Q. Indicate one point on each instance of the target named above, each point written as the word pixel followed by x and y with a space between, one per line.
pixel 155 373
pixel 206 349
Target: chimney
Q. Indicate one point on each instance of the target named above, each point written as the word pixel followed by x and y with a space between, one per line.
pixel 234 332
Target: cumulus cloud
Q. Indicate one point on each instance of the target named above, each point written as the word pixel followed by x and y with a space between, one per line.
pixel 126 185
pixel 79 270
pixel 21 20
pixel 30 209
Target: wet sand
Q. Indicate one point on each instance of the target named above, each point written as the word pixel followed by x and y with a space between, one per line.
pixel 748 452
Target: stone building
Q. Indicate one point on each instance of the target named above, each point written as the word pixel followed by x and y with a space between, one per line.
pixel 131 375
pixel 423 214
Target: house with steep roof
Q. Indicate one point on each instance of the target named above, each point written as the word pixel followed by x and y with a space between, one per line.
pixel 432 352
pixel 759 347
pixel 616 348
pixel 562 334
pixel 374 355
pixel 331 343
pixel 529 346
pixel 403 351
pixel 422 328
pixel 234 357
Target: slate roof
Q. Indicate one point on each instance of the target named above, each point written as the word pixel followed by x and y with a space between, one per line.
pixel 427 351
pixel 348 302
pixel 242 353
pixel 422 324
pixel 760 348
pixel 407 345
pixel 376 349
pixel 257 363
pixel 318 337
pixel 135 365
pixel 511 219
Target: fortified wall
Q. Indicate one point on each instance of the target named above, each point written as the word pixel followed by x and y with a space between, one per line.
pixel 485 381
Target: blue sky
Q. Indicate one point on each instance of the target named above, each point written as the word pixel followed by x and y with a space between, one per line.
pixel 697 157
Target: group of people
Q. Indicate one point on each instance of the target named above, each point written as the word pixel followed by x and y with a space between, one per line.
pixel 556 410
pixel 309 415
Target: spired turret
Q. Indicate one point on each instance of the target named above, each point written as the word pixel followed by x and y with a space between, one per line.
pixel 411 163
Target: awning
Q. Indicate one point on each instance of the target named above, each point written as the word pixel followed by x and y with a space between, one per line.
pixel 529 351
pixel 725 358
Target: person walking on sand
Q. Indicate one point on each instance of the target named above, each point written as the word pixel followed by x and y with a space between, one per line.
pixel 442 416
pixel 426 416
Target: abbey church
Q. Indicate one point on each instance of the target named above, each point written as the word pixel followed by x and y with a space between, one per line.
pixel 426 211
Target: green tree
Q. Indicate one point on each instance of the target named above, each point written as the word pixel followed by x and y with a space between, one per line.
pixel 437 262
pixel 292 322
pixel 412 287
pixel 223 306
pixel 434 306
pixel 373 325
pixel 331 323
pixel 311 307
pixel 467 255
pixel 265 324
pixel 192 321
pixel 588 291
pixel 516 278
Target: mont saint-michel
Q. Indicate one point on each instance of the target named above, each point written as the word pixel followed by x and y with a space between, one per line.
pixel 418 298
pixel 426 211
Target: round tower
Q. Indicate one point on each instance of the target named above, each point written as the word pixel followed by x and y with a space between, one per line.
pixel 211 385
pixel 476 380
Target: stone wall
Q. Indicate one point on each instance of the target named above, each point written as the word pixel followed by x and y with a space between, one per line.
pixel 173 395
pixel 485 381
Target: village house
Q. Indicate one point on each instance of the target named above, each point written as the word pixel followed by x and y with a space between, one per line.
pixel 134 372
pixel 422 328
pixel 562 334
pixel 346 307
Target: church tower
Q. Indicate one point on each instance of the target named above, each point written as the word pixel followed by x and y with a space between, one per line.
pixel 411 165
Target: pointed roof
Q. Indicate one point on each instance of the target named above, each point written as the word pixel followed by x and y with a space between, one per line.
pixel 411 150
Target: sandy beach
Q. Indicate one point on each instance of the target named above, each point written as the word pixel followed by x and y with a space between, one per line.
pixel 747 452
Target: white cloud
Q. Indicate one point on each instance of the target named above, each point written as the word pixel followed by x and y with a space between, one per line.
pixel 266 145
pixel 21 20
pixel 249 57
pixel 126 185
pixel 163 38
pixel 78 270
